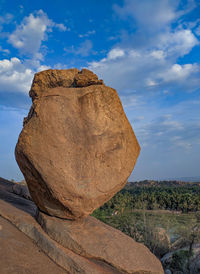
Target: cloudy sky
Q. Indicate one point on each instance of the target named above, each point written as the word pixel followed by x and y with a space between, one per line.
pixel 149 50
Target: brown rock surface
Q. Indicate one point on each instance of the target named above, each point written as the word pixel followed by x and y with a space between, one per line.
pixel 77 148
pixel 92 255
pixel 84 247
pixel 91 238
pixel 86 78
pixel 19 255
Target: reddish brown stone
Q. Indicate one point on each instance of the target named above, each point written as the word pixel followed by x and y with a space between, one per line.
pixel 19 254
pixel 77 148
pixel 84 246
pixel 86 78
pixel 95 240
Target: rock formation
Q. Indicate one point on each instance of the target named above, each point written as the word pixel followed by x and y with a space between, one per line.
pixel 95 240
pixel 84 246
pixel 77 148
pixel 19 254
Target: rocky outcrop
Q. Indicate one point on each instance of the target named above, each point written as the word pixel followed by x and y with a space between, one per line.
pixel 19 254
pixel 77 147
pixel 84 246
pixel 95 240
pixel 21 190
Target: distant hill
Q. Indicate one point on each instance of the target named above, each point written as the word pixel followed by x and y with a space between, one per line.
pixel 3 181
pixel 186 179
pixel 165 183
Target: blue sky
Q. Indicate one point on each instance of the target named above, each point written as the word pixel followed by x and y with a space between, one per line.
pixel 148 50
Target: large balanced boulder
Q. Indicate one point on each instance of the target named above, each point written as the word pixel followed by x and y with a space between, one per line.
pixel 77 148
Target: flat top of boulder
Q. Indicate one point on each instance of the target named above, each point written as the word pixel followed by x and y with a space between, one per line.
pixel 65 78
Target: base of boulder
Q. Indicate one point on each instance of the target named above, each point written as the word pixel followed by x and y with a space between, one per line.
pixel 93 239
pixel 84 246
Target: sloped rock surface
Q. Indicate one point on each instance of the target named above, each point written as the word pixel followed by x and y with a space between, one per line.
pixel 84 246
pixel 19 254
pixel 93 239
pixel 77 148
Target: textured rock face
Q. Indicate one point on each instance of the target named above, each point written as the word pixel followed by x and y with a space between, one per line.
pixel 20 255
pixel 84 246
pixel 77 148
pixel 95 240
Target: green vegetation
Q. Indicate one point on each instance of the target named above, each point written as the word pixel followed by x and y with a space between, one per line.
pixel 179 260
pixel 162 215
pixel 151 195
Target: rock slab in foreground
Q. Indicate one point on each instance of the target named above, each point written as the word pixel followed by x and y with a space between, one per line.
pixel 19 254
pixel 77 148
pixel 97 241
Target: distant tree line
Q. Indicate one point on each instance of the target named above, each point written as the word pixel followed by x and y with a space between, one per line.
pixel 181 197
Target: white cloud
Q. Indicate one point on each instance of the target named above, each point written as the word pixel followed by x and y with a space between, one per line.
pixel 61 27
pixel 90 32
pixel 6 19
pixel 147 59
pixel 140 70
pixel 84 49
pixel 60 66
pixel 151 63
pixel 134 53
pixel 167 133
pixel 153 24
pixel 154 16
pixel 197 30
pixel 14 76
pixel 31 32
pixel 29 35
pixel 179 42
pixel 5 51
pixel 43 67
pixel 158 54
pixel 171 124
pixel 151 83
pixel 179 72
pixel 149 15
pixel 130 101
pixel 157 131
pixel 115 53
